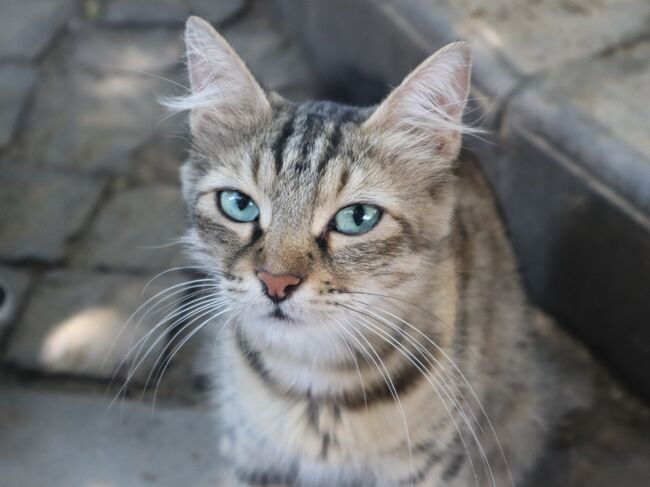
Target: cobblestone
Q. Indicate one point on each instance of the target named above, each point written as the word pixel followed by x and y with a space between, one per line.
pixel 13 285
pixel 159 159
pixel 26 28
pixel 77 323
pixel 216 12
pixel 40 211
pixel 99 122
pixel 276 62
pixel 137 229
pixel 170 11
pixel 145 11
pixel 153 50
pixel 16 83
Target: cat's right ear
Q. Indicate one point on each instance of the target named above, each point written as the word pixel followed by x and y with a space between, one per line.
pixel 224 94
pixel 422 117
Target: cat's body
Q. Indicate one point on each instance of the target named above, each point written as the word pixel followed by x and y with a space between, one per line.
pixel 376 332
pixel 335 441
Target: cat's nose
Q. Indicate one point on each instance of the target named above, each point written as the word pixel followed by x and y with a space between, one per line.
pixel 278 288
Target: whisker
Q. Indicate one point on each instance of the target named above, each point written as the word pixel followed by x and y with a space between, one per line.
pixel 401 300
pixel 391 386
pixel 181 315
pixel 467 384
pixel 167 271
pixel 181 309
pixel 169 359
pixel 470 388
pixel 201 312
pixel 183 288
pixel 420 367
pixel 202 306
pixel 354 358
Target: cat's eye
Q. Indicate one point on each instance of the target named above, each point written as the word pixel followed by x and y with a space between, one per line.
pixel 237 206
pixel 356 219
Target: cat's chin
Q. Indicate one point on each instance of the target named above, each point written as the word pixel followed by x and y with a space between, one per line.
pixel 279 314
pixel 302 338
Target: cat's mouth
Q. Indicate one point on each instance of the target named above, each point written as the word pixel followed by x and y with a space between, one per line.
pixel 278 314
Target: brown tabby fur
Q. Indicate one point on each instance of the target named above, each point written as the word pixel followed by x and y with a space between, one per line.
pixel 407 356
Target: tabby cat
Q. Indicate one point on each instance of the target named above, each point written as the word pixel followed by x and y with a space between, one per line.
pixel 376 331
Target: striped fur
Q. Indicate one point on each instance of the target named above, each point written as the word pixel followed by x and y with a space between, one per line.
pixel 407 356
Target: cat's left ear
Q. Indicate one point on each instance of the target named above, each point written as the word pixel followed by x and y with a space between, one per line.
pixel 422 117
pixel 224 94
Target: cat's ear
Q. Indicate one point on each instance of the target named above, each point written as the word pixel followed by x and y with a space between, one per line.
pixel 224 94
pixel 422 117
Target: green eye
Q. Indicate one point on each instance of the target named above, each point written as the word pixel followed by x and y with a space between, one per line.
pixel 238 206
pixel 357 219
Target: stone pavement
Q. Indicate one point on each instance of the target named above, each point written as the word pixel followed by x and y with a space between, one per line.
pixel 90 208
pixel 90 213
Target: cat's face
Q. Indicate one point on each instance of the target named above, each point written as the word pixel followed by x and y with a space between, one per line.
pixel 314 217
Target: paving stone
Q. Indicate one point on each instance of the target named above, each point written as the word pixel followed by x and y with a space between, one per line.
pixel 16 83
pixel 13 285
pixel 609 90
pixel 275 60
pixel 64 440
pixel 159 159
pixel 41 210
pixel 26 28
pixel 90 122
pixel 216 11
pixel 73 324
pixel 137 229
pixel 148 50
pixel 170 11
pixel 145 11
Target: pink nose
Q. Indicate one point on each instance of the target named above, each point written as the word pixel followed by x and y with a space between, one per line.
pixel 278 288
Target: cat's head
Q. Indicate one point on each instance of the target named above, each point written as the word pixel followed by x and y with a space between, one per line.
pixel 316 217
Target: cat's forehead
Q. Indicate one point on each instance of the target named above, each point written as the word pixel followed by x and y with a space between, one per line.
pixel 302 147
pixel 305 137
pixel 302 156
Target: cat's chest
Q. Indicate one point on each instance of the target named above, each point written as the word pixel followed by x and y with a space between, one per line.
pixel 327 439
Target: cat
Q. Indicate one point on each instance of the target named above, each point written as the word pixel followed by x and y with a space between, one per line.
pixel 374 331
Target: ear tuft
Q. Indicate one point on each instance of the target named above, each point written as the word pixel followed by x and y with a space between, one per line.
pixel 422 117
pixel 224 93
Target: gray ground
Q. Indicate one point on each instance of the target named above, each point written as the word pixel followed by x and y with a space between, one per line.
pixel 89 213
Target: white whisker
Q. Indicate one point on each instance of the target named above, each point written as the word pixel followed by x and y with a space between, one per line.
pixel 465 381
pixel 391 386
pixel 429 377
